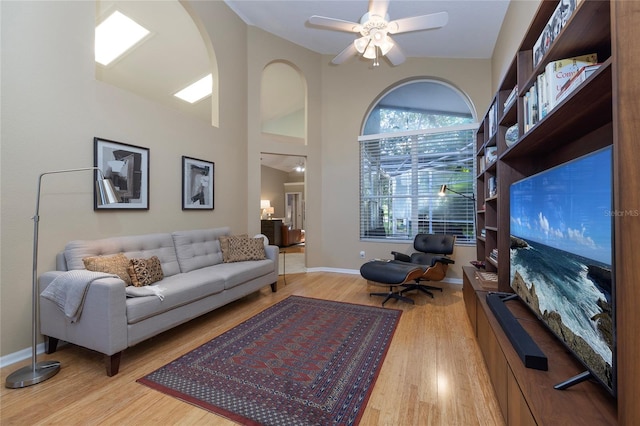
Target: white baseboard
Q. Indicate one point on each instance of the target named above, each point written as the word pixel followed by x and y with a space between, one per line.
pixel 20 355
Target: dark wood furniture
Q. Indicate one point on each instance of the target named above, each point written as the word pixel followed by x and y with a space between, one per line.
pixel 271 228
pixel 601 112
pixel 526 396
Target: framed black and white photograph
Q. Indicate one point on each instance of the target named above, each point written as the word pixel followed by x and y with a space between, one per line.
pixel 197 184
pixel 128 168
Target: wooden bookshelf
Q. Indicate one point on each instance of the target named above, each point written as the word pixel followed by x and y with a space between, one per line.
pixel 526 396
pixel 601 112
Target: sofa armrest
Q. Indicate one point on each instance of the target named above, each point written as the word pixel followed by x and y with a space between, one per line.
pixel 102 326
pixel 272 252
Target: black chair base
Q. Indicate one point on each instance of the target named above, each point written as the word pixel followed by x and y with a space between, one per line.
pixel 420 287
pixel 393 295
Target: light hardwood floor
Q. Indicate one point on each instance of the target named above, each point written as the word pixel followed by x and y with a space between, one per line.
pixel 433 373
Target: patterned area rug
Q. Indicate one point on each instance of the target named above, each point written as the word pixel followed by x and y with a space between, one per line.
pixel 302 361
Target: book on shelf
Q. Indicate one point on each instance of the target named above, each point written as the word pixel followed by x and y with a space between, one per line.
pixel 481 164
pixel 558 20
pixel 558 73
pixel 494 254
pixel 543 101
pixel 492 186
pixel 510 99
pixel 531 109
pixel 493 120
pixel 575 81
pixel 545 92
pixel 488 280
pixel 490 154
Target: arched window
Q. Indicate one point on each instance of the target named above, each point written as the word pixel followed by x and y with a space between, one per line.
pixel 419 136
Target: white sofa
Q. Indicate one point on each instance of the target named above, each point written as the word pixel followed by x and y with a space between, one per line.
pixel 196 281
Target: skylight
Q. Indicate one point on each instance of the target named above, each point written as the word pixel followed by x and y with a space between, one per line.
pixel 115 35
pixel 196 91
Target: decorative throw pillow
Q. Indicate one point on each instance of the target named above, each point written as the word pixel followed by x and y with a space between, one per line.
pixel 224 244
pixel 244 248
pixel 116 264
pixel 145 271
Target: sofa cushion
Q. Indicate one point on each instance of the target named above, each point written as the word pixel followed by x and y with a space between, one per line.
pixel 116 264
pixel 133 246
pixel 237 273
pixel 145 271
pixel 196 249
pixel 178 290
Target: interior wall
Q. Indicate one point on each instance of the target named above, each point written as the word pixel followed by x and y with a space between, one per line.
pixel 272 188
pixel 514 27
pixel 348 92
pixel 263 49
pixel 52 107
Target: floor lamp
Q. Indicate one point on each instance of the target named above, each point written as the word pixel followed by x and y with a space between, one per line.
pixel 40 371
pixel 444 189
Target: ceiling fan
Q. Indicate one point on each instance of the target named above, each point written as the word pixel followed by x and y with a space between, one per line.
pixel 375 29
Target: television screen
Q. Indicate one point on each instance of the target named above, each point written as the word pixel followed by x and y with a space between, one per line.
pixel 561 256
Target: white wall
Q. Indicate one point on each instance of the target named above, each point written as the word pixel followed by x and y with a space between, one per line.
pixel 52 107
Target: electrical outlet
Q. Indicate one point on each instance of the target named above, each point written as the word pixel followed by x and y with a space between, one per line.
pixel 362 254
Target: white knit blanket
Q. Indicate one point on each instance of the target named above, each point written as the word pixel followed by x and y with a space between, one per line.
pixel 149 290
pixel 68 290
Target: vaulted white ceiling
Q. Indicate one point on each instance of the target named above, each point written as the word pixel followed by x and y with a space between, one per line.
pixel 161 65
pixel 471 32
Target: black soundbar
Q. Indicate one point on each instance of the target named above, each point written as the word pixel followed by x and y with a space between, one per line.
pixel 527 349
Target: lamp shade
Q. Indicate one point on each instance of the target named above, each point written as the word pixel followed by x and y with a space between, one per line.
pixel 106 192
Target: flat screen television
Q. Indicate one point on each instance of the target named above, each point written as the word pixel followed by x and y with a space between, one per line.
pixel 561 257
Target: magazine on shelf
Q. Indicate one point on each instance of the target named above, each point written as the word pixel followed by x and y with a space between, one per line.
pixel 558 20
pixel 575 81
pixel 558 73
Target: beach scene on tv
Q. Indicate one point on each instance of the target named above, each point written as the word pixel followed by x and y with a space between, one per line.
pixel 561 255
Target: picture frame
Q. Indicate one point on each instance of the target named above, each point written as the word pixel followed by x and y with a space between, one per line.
pixel 197 184
pixel 128 168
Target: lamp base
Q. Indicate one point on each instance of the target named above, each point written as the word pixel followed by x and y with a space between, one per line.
pixel 27 376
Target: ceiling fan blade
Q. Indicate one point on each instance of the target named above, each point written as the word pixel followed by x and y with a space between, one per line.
pixel 348 52
pixel 334 24
pixel 395 55
pixel 417 23
pixel 378 7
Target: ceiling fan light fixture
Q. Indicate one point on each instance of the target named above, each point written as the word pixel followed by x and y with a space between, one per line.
pixel 386 45
pixel 361 44
pixel 370 52
pixel 377 36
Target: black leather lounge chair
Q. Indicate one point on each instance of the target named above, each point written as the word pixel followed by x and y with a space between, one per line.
pixel 429 263
pixel 431 255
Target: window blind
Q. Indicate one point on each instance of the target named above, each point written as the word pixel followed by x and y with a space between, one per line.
pixel 400 180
